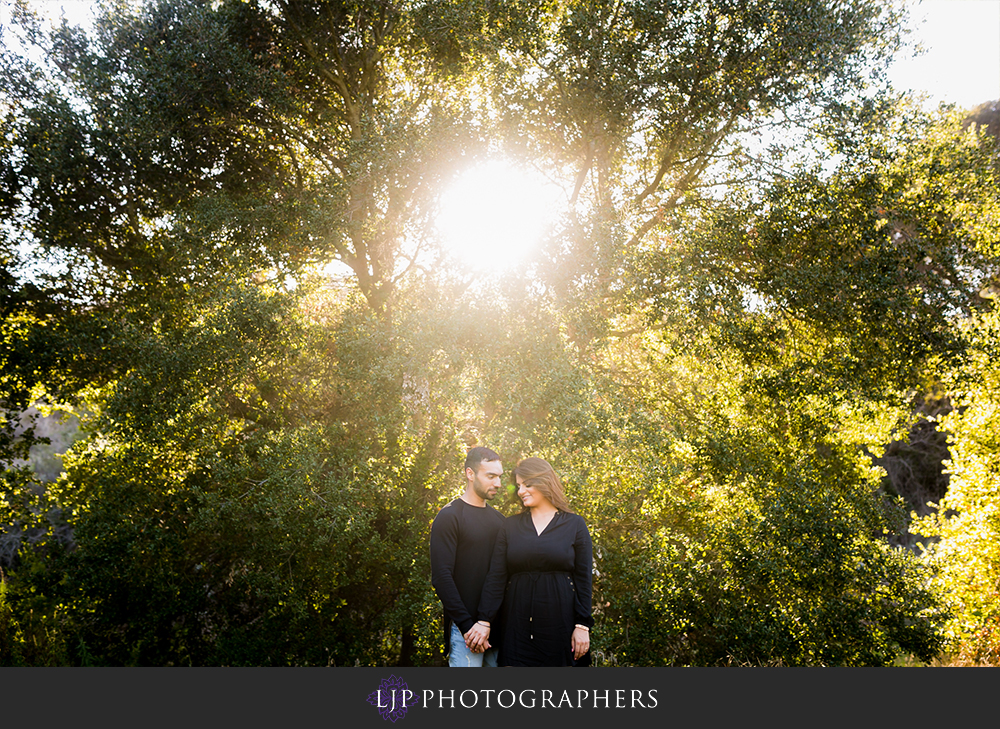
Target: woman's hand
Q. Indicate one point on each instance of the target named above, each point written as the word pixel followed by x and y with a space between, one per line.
pixel 580 642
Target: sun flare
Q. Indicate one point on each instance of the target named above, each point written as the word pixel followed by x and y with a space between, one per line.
pixel 494 214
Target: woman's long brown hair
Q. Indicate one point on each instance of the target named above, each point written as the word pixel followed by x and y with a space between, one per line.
pixel 537 473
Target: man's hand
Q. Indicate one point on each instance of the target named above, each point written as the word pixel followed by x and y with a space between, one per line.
pixel 477 638
pixel 580 643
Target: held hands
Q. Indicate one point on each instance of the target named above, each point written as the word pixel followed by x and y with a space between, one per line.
pixel 477 637
pixel 580 642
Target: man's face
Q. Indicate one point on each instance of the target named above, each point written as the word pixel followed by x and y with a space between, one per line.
pixel 486 480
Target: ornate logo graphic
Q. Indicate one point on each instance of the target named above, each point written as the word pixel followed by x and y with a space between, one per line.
pixel 392 698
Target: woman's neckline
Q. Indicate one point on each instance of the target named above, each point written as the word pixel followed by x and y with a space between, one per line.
pixel 547 523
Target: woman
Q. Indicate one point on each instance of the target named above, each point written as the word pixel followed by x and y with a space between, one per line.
pixel 539 584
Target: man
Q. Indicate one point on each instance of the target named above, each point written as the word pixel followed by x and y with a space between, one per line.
pixel 462 539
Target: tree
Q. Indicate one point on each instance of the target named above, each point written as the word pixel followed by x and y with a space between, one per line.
pixel 266 448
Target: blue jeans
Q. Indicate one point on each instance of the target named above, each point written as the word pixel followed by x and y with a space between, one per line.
pixel 459 656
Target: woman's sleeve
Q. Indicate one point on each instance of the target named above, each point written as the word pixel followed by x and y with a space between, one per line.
pixel 583 575
pixel 496 580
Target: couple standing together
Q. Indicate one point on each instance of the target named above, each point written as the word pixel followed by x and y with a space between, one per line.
pixel 516 591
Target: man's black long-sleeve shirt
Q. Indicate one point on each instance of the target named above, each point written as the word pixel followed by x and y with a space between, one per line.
pixel 462 541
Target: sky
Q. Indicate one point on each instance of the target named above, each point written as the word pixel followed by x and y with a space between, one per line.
pixel 962 38
pixel 962 63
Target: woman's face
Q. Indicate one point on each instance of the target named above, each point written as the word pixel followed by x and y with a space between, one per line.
pixel 529 495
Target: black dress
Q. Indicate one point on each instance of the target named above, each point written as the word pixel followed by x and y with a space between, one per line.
pixel 538 589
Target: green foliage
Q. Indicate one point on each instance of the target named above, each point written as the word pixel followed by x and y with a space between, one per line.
pixel 966 526
pixel 806 575
pixel 217 519
pixel 744 531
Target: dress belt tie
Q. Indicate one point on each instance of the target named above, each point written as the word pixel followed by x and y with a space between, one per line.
pixel 533 577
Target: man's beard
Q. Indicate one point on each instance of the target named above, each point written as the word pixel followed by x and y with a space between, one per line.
pixel 483 492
